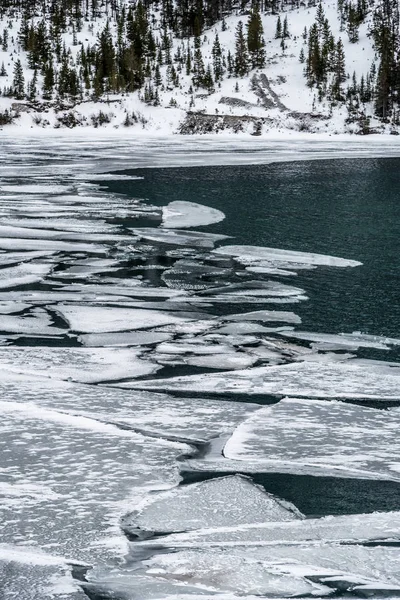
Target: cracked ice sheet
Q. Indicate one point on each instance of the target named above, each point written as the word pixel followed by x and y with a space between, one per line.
pixel 97 319
pixel 24 233
pixel 305 379
pixel 17 244
pixel 360 528
pixel 23 275
pixel 198 572
pixel 279 570
pixel 13 258
pixel 195 239
pixel 204 504
pixel 189 214
pixel 157 414
pixel 85 365
pixel 348 340
pixel 319 437
pixel 72 225
pixel 259 253
pixel 93 472
pixel 27 573
pixel 40 323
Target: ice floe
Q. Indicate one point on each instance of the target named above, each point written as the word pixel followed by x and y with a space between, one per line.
pixel 205 504
pixel 254 254
pixel 85 365
pixel 311 379
pixel 103 319
pixel 311 436
pixel 195 239
pixel 23 274
pixel 180 214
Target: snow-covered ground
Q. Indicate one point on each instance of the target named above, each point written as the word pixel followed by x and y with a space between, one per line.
pixel 233 97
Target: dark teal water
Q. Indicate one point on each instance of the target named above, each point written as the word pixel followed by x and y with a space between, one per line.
pixel 348 208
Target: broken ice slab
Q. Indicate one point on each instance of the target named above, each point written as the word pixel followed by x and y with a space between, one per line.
pixel 226 361
pixel 14 258
pixel 85 365
pixel 23 274
pixel 264 316
pixel 132 288
pixel 311 436
pixel 348 529
pixel 247 328
pixel 345 340
pixel 260 253
pixel 64 224
pixel 39 323
pixel 159 415
pixel 303 379
pixel 9 307
pixel 131 338
pixel 35 188
pixel 232 500
pixel 91 471
pixel 198 574
pixel 182 214
pixel 194 239
pixel 17 244
pixel 103 319
pixel 27 573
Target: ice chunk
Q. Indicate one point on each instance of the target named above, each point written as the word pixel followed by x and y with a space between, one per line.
pixel 307 379
pixel 249 328
pixel 36 188
pixel 157 414
pixel 361 528
pixel 38 324
pixel 228 361
pixel 23 274
pixel 16 244
pixel 264 315
pixel 134 338
pixel 103 319
pixel 194 239
pixel 260 253
pixel 92 468
pixel 235 571
pixel 9 307
pixel 347 340
pixel 27 573
pixel 190 214
pixel 213 503
pixel 85 365
pixel 13 258
pixel 332 438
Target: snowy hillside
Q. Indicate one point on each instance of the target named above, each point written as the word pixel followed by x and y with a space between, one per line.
pixel 90 72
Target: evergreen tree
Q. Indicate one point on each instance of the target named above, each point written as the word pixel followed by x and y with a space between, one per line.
pixel 241 56
pixel 255 40
pixel 19 81
pixel 278 30
pixel 216 52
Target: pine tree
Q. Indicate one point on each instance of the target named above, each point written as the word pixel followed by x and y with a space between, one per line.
pixel 241 55
pixel 339 75
pixel 198 64
pixel 255 40
pixel 278 30
pixel 216 52
pixel 19 81
pixel 285 31
pixel 3 72
pixel 48 81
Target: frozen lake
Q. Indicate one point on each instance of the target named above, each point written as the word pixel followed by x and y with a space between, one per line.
pixel 199 369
